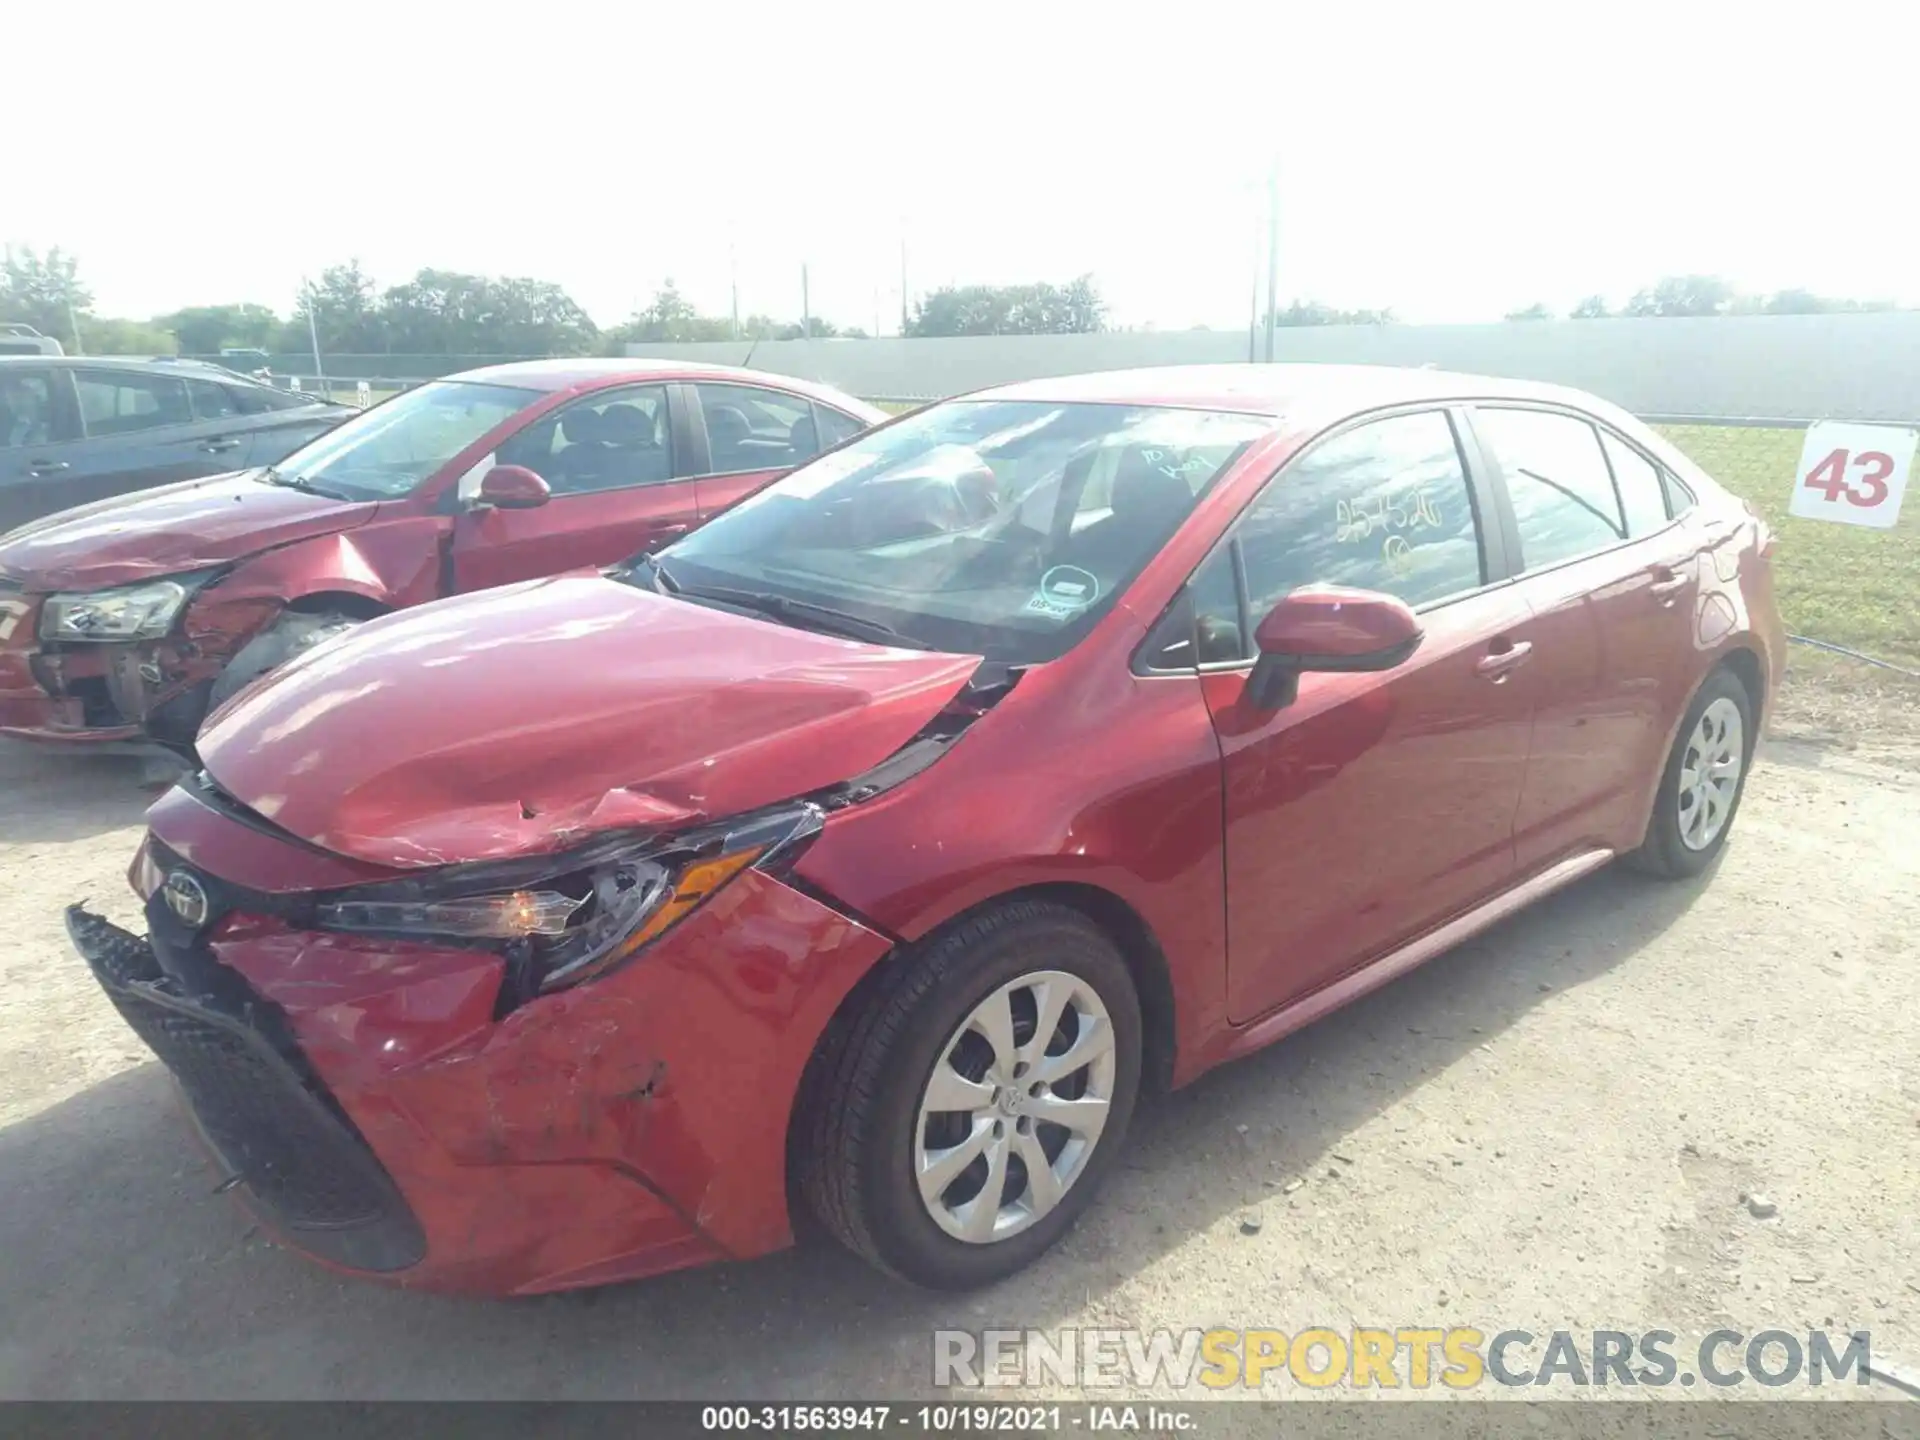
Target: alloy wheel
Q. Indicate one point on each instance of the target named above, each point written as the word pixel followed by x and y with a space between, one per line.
pixel 1014 1107
pixel 1710 773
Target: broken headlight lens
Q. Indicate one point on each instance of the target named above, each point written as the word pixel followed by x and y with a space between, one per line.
pixel 131 612
pixel 579 914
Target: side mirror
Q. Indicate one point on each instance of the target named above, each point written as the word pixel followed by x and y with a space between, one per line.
pixel 1327 627
pixel 512 487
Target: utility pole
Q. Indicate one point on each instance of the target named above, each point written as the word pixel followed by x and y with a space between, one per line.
pixel 903 285
pixel 806 306
pixel 1273 255
pixel 313 334
pixel 1253 304
pixel 733 279
pixel 73 324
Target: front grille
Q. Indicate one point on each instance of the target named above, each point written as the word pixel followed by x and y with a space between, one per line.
pixel 274 1127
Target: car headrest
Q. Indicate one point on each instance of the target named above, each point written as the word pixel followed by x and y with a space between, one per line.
pixel 726 425
pixel 626 425
pixel 581 425
pixel 803 436
pixel 1144 490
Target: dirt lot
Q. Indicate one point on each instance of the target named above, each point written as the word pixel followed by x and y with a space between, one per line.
pixel 1549 1128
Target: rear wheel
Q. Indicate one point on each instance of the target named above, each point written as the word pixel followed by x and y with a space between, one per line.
pixel 981 1095
pixel 1705 776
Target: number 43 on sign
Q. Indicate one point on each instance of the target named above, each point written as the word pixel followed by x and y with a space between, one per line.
pixel 1855 474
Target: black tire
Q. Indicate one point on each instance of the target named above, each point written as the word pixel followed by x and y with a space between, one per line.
pixel 857 1155
pixel 1664 853
pixel 295 631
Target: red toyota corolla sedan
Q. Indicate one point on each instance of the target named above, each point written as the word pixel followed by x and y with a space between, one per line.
pixel 877 844
pixel 127 618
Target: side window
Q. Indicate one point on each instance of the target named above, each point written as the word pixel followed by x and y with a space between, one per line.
pixel 26 409
pixel 1557 477
pixel 1679 497
pixel 116 402
pixel 211 401
pixel 835 427
pixel 1383 507
pixel 1642 492
pixel 754 429
pixel 609 440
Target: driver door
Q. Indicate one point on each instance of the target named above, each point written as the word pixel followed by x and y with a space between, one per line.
pixel 1374 805
pixel 609 460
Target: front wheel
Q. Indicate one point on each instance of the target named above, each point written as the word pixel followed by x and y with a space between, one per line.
pixel 983 1092
pixel 1705 776
pixel 294 633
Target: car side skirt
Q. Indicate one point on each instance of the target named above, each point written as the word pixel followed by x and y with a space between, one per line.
pixel 1244 1040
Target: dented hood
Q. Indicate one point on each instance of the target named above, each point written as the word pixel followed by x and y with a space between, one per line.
pixel 520 719
pixel 189 526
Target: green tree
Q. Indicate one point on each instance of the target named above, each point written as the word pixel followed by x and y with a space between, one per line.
pixel 1594 307
pixel 1313 312
pixel 1036 309
pixel 1535 311
pixel 1805 302
pixel 43 291
pixel 669 318
pixel 209 329
pixel 1683 295
pixel 126 337
pixel 346 313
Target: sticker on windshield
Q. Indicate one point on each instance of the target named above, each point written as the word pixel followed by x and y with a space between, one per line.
pixel 1064 590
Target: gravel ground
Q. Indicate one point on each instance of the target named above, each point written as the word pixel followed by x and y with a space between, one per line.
pixel 1549 1128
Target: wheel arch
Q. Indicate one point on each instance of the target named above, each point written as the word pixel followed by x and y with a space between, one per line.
pixel 1112 914
pixel 356 604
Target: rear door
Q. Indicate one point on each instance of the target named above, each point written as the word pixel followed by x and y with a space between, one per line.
pixel 1375 805
pixel 748 435
pixel 1611 580
pixel 37 428
pixel 610 460
pixel 139 432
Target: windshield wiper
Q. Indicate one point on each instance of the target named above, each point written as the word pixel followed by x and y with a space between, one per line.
pixel 663 583
pixel 798 612
pixel 300 482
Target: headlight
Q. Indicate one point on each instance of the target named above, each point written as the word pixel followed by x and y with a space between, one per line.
pixel 132 612
pixel 567 918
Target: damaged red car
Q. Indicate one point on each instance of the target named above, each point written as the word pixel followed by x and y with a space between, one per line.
pixel 128 618
pixel 875 847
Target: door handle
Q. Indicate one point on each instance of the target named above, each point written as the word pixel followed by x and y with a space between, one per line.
pixel 1666 590
pixel 47 467
pixel 216 446
pixel 1499 664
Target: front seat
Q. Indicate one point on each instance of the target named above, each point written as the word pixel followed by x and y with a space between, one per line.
pixel 727 432
pixel 635 454
pixel 1148 504
pixel 803 439
pixel 583 460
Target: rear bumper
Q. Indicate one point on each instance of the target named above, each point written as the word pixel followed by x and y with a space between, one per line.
pixel 395 1125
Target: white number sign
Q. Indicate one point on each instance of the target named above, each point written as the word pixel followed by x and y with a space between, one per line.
pixel 1854 474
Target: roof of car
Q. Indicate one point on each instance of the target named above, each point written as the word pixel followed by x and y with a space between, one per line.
pixel 586 372
pixel 125 362
pixel 1278 390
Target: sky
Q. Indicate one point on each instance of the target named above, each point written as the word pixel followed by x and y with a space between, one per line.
pixel 1451 161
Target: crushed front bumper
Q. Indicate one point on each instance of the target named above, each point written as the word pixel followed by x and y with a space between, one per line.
pixel 267 1120
pixel 379 1109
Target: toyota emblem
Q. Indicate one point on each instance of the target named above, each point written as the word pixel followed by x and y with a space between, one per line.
pixel 187 898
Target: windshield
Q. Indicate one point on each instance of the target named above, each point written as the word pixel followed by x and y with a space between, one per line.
pixel 999 528
pixel 384 453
